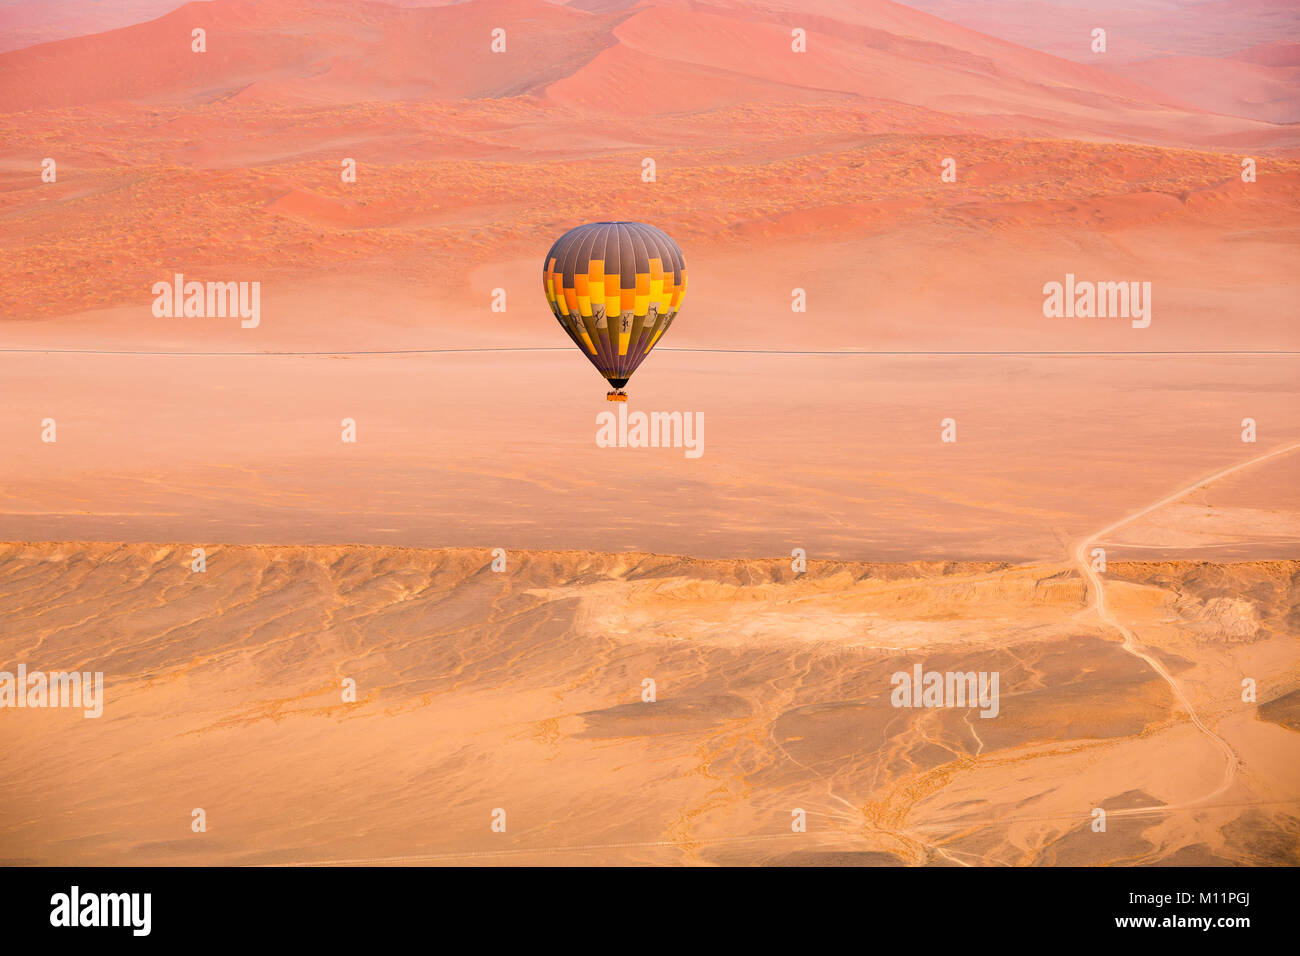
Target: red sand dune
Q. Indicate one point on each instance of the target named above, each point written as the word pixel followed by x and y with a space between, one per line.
pixel 1240 85
pixel 1234 57
pixel 24 24
pixel 1136 29
pixel 776 171
pixel 317 50
pixel 653 60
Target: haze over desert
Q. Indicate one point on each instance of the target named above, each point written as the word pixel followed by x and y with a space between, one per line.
pixel 388 476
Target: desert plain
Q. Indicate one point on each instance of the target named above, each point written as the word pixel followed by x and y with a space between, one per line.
pixel 1163 690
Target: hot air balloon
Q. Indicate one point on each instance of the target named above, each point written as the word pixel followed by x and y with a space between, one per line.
pixel 615 287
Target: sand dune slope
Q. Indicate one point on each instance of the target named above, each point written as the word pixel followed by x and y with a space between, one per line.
pixel 647 60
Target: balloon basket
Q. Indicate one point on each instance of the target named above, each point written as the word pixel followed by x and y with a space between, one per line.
pixel 618 395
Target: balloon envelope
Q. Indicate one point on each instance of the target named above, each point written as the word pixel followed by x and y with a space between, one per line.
pixel 614 287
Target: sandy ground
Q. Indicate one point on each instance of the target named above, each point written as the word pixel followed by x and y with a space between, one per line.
pixel 231 173
pixel 521 690
pixel 775 172
pixel 839 455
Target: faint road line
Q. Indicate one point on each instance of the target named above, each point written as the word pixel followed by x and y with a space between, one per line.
pixel 1097 590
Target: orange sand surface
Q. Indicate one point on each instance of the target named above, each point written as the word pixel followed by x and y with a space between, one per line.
pixel 521 690
pixel 476 429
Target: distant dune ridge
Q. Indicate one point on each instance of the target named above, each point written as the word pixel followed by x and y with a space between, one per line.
pixel 872 226
pixel 471 159
pixel 665 57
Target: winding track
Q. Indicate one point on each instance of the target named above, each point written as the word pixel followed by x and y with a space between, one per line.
pixel 1098 593
pixel 1098 603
